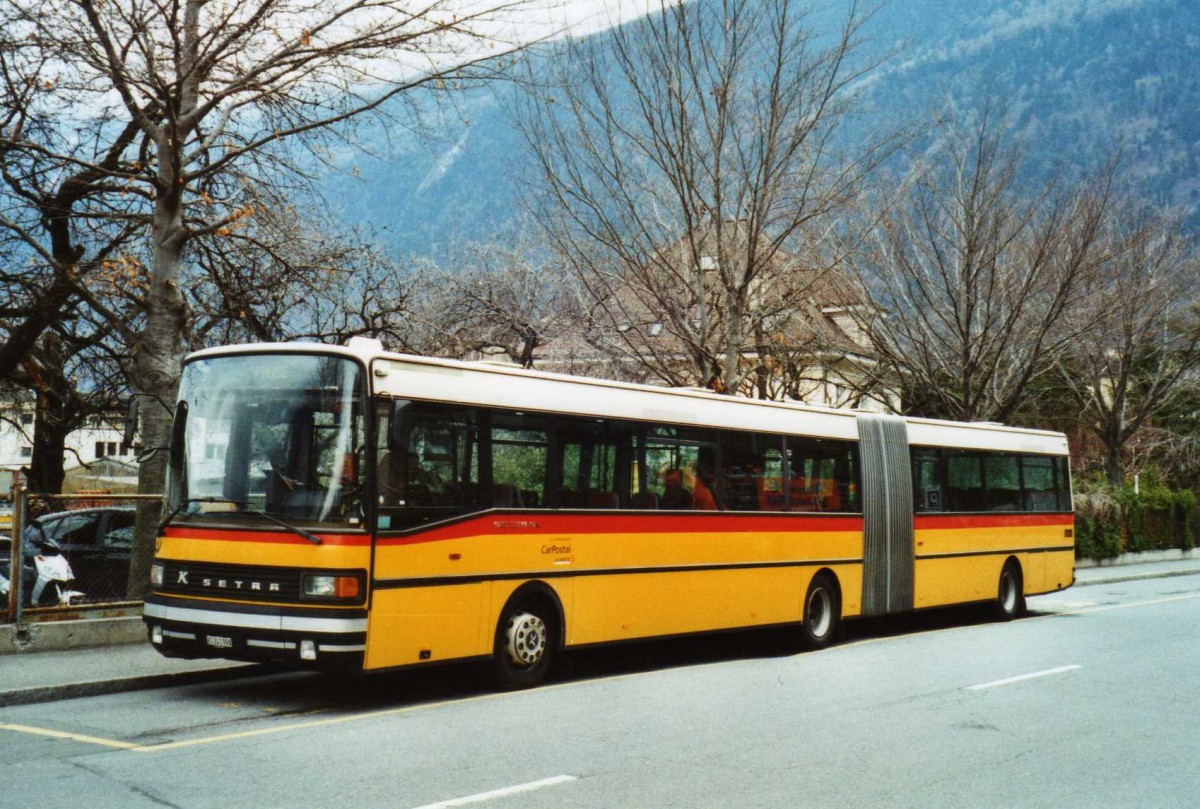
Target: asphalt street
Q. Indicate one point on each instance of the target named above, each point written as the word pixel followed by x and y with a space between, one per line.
pixel 1087 702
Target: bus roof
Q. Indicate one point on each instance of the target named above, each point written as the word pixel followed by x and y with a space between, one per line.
pixel 508 386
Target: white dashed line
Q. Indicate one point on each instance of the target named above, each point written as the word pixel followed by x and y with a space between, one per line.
pixel 1021 678
pixel 503 792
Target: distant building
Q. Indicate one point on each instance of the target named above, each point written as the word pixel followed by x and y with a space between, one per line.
pixel 94 460
pixel 802 341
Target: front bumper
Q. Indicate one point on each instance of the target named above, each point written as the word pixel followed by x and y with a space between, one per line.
pixel 309 637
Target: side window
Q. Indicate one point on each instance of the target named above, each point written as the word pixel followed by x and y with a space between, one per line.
pixel 964 482
pixel 76 529
pixel 434 474
pixel 519 453
pixel 824 475
pixel 1037 472
pixel 1003 482
pixel 678 469
pixel 593 464
pixel 1062 483
pixel 753 472
pixel 928 480
pixel 121 538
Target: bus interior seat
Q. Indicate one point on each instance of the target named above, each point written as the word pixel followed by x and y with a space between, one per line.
pixel 644 500
pixel 603 499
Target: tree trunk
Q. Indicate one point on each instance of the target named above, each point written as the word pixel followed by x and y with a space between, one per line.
pixel 56 414
pixel 50 428
pixel 1114 469
pixel 158 359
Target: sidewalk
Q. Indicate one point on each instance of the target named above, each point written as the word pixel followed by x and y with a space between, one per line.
pixel 1131 571
pixel 44 676
pixel 49 676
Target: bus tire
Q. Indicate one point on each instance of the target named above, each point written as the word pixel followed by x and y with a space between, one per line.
pixel 1010 594
pixel 526 641
pixel 822 612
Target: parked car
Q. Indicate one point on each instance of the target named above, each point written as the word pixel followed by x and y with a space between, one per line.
pixel 97 543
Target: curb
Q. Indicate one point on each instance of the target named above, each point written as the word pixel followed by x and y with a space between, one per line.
pixel 80 633
pixel 1161 574
pixel 1140 558
pixel 54 693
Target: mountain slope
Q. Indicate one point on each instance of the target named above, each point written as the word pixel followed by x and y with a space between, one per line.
pixel 1082 77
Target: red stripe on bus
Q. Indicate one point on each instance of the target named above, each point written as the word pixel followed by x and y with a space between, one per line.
pixel 674 523
pixel 990 520
pixel 269 537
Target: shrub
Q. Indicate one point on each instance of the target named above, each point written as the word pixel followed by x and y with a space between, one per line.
pixel 1111 521
pixel 1097 526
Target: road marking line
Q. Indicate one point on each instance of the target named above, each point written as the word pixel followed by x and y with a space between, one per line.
pixel 1148 603
pixel 504 792
pixel 75 737
pixel 1021 678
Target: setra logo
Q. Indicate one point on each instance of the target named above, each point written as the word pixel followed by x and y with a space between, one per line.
pixel 231 584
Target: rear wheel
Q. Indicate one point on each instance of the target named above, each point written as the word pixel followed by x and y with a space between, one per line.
pixel 822 612
pixel 526 641
pixel 1010 596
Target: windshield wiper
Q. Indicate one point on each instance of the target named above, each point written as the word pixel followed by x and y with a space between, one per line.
pixel 184 504
pixel 295 529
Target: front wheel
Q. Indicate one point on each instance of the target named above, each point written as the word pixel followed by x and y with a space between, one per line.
pixel 526 641
pixel 822 612
pixel 1010 596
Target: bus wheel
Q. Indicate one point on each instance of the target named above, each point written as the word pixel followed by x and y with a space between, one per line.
pixel 526 639
pixel 822 612
pixel 1010 598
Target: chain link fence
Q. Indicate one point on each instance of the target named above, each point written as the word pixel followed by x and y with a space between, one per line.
pixel 72 550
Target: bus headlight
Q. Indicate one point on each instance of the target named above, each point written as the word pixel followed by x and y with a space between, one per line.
pixel 328 585
pixel 156 574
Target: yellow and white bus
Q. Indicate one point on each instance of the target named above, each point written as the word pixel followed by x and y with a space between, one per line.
pixel 344 506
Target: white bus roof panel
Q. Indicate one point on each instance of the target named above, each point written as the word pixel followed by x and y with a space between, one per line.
pixel 486 385
pixel 530 391
pixel 962 435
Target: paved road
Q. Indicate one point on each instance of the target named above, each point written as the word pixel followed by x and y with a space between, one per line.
pixel 1089 702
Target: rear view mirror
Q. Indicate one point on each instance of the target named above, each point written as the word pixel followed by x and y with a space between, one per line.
pixel 398 425
pixel 175 455
pixel 131 425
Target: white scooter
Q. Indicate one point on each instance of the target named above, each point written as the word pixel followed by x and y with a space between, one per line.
pixel 53 585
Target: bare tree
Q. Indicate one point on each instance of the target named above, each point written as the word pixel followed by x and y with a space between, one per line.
pixel 975 284
pixel 169 99
pixel 510 299
pixel 290 273
pixel 689 164
pixel 1142 346
pixel 74 379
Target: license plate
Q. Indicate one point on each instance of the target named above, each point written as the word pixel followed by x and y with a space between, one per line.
pixel 219 642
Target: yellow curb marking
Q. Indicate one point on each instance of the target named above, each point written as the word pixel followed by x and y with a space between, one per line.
pixel 75 737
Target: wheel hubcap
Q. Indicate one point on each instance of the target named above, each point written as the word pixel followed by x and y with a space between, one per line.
pixel 526 639
pixel 1008 589
pixel 820 613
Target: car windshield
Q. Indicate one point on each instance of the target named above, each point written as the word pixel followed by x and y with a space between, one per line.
pixel 280 434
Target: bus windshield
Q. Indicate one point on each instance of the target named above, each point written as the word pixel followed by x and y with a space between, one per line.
pixel 270 435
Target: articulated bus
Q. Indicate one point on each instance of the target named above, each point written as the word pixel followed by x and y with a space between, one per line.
pixel 345 507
